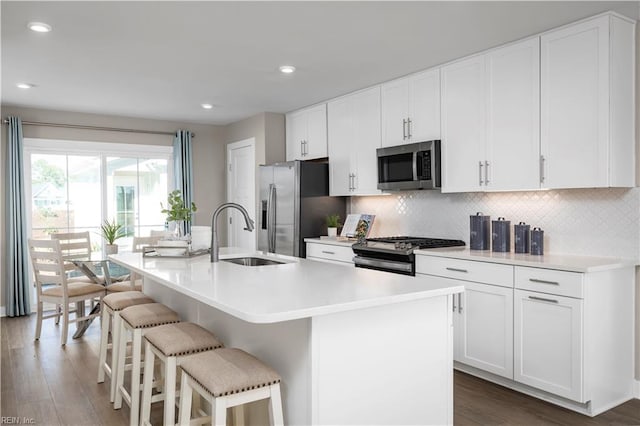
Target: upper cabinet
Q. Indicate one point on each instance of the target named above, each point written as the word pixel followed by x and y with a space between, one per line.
pixel 411 109
pixel 307 133
pixel 587 104
pixel 354 135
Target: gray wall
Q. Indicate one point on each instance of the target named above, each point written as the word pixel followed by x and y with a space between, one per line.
pixel 208 152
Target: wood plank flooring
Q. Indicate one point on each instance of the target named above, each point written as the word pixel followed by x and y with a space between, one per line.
pixel 57 386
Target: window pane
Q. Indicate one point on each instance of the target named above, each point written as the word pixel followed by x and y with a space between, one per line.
pixel 84 192
pixel 153 191
pixel 48 194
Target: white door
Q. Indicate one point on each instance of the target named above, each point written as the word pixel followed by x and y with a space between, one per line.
pixel 513 117
pixel 484 333
pixel 241 189
pixel 463 125
pixel 424 106
pixel 395 104
pixel 549 343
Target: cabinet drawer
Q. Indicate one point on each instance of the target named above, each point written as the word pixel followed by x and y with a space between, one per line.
pixel 482 272
pixel 330 252
pixel 549 281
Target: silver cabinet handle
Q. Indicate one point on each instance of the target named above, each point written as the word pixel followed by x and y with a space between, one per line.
pixel 486 173
pixel 535 280
pixel 542 160
pixel 459 303
pixel 353 177
pixel 481 182
pixel 328 252
pixel 542 299
pixel 454 302
pixel 457 270
pixel 301 148
pixel 306 147
pixel 404 129
pixel 409 128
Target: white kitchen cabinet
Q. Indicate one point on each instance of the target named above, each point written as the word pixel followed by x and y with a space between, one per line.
pixel 587 104
pixel 549 343
pixel 490 120
pixel 482 315
pixel 331 253
pixel 306 130
pixel 411 109
pixel 353 137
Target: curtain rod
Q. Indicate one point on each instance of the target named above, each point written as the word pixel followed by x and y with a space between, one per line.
pixel 109 129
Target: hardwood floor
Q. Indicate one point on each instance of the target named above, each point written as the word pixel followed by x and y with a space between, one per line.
pixel 57 386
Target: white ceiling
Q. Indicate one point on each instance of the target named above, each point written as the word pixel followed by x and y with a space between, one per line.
pixel 163 59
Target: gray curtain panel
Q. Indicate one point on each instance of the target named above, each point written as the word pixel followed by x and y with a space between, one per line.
pixel 182 169
pixel 17 295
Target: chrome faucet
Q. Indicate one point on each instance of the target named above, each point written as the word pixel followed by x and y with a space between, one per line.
pixel 215 246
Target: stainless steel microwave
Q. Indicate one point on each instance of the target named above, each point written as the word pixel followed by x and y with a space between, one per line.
pixel 411 166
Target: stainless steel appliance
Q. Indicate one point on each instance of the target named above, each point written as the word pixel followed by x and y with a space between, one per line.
pixel 411 166
pixel 294 204
pixel 395 254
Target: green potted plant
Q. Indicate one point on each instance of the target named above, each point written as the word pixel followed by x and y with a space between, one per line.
pixel 333 222
pixel 111 231
pixel 177 212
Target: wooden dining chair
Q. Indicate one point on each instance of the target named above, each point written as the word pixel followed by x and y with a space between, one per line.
pixel 53 286
pixel 133 282
pixel 74 245
pixel 139 243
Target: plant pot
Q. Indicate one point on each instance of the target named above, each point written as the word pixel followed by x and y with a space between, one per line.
pixel 111 248
pixel 332 232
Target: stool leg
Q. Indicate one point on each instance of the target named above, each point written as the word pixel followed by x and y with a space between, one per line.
pixel 219 411
pixel 275 406
pixel 135 377
pixel 104 342
pixel 147 385
pixel 184 411
pixel 116 330
pixel 170 367
pixel 122 352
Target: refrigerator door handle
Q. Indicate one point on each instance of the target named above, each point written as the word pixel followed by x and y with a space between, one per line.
pixel 271 219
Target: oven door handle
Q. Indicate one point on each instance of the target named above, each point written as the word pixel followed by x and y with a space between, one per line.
pixel 386 264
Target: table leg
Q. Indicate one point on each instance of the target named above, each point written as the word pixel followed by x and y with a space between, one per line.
pixel 83 325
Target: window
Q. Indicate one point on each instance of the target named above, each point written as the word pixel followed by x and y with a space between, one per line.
pixel 75 186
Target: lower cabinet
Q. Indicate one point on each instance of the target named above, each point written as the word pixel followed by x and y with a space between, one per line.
pixel 330 253
pixel 483 328
pixel 548 343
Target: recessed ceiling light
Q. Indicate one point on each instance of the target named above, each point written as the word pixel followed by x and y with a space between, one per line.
pixel 287 69
pixel 206 106
pixel 25 85
pixel 39 27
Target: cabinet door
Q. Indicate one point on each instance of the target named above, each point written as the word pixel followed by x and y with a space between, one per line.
pixel 424 106
pixel 341 134
pixel 485 328
pixel 366 111
pixel 575 105
pixel 513 117
pixel 316 140
pixel 296 132
pixel 395 111
pixel 549 343
pixel 463 125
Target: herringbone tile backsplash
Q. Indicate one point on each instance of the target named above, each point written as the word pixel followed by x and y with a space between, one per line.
pixel 595 222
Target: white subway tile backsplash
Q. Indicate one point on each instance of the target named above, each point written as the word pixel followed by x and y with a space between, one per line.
pixel 595 222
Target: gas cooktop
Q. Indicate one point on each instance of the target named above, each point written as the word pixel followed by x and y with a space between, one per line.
pixel 404 244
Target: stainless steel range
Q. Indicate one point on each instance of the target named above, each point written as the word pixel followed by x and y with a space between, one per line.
pixel 395 254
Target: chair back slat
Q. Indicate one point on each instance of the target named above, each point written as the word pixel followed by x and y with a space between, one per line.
pixel 48 263
pixel 139 243
pixel 74 245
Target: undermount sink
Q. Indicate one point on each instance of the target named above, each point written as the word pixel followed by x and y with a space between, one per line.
pixel 253 261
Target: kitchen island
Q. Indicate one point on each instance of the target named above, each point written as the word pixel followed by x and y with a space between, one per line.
pixel 353 346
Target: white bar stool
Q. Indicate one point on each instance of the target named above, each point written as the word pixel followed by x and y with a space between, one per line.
pixel 136 320
pixel 111 306
pixel 228 377
pixel 172 344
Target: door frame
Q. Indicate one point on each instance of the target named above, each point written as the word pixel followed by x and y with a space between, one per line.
pixel 249 142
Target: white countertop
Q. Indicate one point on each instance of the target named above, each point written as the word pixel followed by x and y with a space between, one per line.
pixel 561 262
pixel 299 289
pixel 330 241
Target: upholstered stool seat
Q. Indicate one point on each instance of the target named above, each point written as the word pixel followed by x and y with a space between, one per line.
pixel 137 320
pixel 171 344
pixel 125 286
pixel 228 377
pixel 112 304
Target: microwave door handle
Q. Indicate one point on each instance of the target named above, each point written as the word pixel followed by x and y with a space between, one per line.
pixel 415 166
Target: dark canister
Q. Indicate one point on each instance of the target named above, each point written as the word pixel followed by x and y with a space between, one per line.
pixel 501 235
pixel 521 237
pixel 537 241
pixel 480 236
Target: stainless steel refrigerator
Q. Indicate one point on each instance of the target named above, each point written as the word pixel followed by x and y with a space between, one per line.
pixel 294 204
